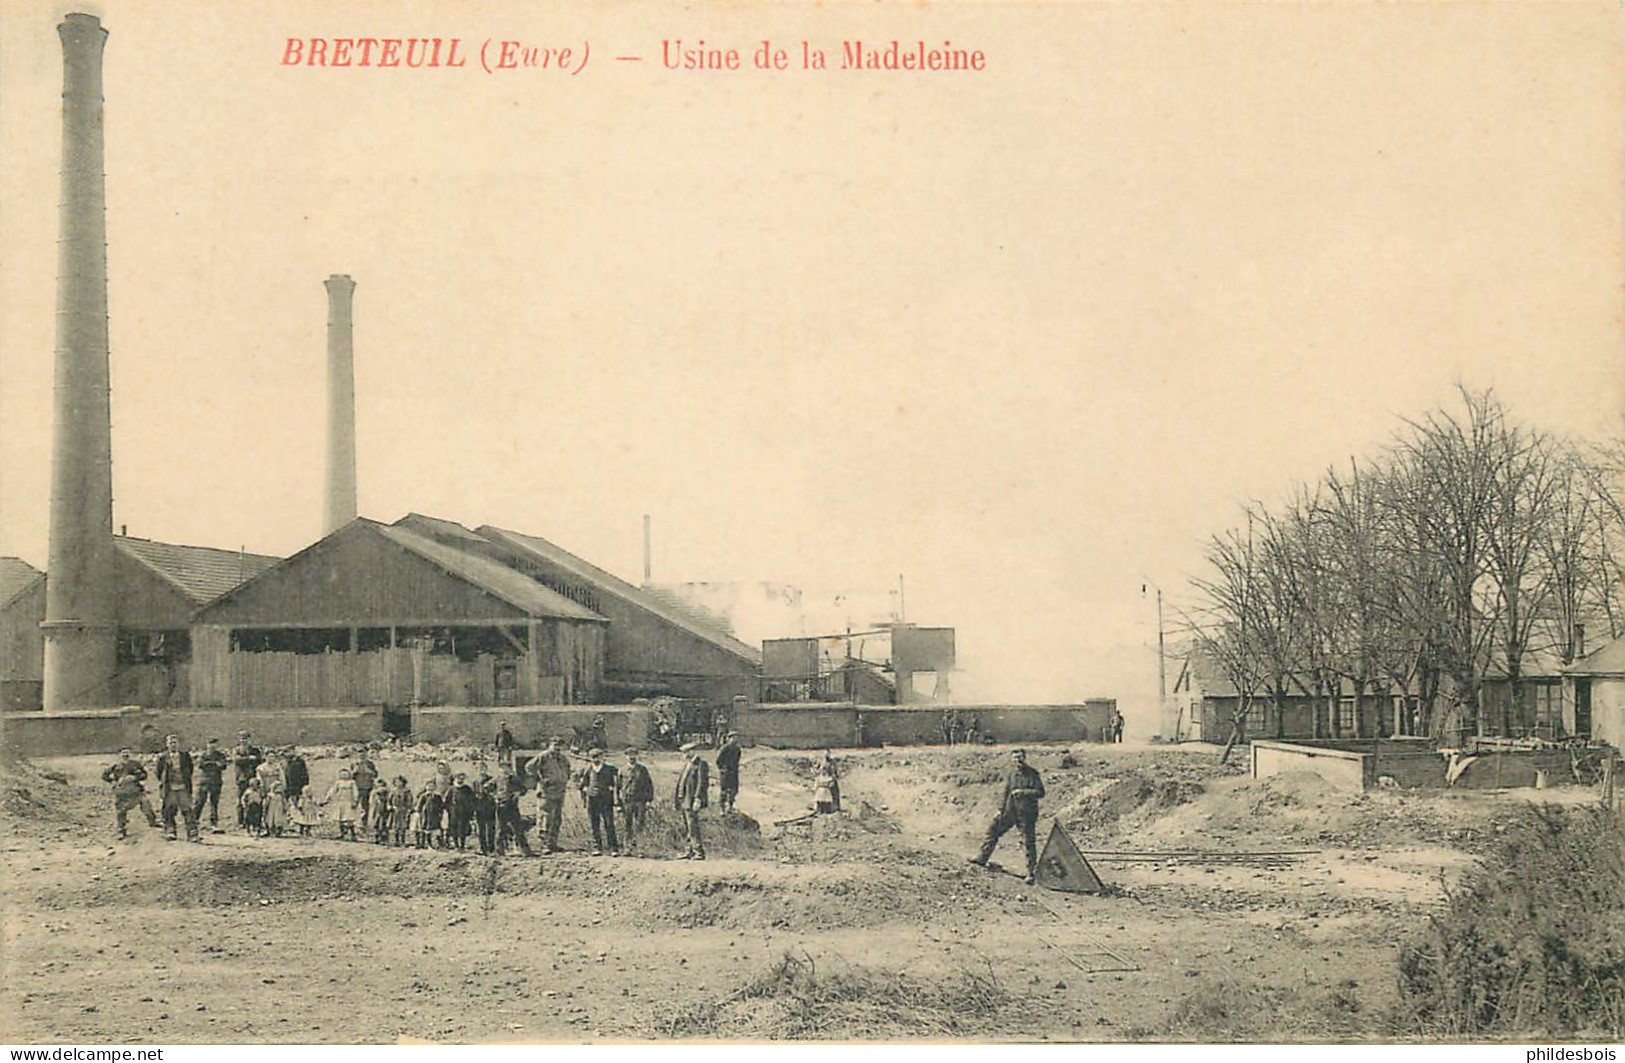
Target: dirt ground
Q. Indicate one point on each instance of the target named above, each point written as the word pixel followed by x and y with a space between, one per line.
pixel 316 940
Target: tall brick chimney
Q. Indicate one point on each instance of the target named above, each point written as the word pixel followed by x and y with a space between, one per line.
pixel 341 503
pixel 80 614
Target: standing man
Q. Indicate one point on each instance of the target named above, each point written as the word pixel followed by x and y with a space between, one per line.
pixel 598 786
pixel 175 784
pixel 510 824
pixel 728 772
pixel 126 776
pixel 460 810
pixel 363 772
pixel 693 794
pixel 504 747
pixel 637 793
pixel 1022 791
pixel 246 758
pixel 1117 726
pixel 485 814
pixel 552 772
pixel 211 768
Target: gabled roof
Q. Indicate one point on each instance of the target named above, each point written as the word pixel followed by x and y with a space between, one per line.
pixel 1606 660
pixel 614 585
pixel 16 576
pixel 201 573
pixel 493 577
pixel 441 529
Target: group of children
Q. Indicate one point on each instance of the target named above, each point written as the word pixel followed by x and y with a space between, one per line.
pixel 266 809
pixel 448 812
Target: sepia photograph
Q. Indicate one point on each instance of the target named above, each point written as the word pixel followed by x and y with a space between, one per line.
pixel 960 522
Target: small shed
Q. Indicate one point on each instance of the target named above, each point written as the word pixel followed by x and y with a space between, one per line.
pixel 374 614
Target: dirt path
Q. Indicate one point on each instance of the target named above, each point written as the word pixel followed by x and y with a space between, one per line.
pixel 294 940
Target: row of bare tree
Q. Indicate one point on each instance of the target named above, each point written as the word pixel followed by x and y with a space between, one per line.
pixel 1472 543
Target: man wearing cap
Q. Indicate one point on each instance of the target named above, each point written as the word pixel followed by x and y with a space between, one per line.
pixel 552 772
pixel 598 786
pixel 174 776
pixel 637 792
pixel 693 793
pixel 126 777
pixel 211 768
pixel 246 759
pixel 1022 790
pixel 728 772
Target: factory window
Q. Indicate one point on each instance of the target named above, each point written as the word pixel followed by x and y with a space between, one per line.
pixel 303 640
pixel 372 638
pixel 471 643
pixel 142 647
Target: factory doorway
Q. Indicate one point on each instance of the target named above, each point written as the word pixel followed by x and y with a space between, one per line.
pixel 397 720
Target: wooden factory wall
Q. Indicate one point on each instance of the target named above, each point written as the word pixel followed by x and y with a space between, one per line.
pixel 644 648
pixel 563 668
pixel 147 601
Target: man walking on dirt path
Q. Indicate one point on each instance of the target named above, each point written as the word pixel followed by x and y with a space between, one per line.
pixel 126 777
pixel 211 767
pixel 693 794
pixel 1022 791
pixel 552 772
pixel 728 772
pixel 246 758
pixel 637 792
pixel 174 776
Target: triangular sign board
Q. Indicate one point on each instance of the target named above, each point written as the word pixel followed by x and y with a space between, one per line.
pixel 1062 867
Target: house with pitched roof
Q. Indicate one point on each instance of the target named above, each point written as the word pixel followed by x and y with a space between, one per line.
pixel 1594 695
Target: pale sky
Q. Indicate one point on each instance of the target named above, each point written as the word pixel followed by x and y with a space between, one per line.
pixel 1026 336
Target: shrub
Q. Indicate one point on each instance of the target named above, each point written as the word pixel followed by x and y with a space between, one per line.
pixel 1532 941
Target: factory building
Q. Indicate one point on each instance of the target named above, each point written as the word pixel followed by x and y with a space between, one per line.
pixel 156 589
pixel 377 614
pixel 652 646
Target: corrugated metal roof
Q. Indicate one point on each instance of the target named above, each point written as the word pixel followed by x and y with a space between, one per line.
pixel 611 584
pixel 16 576
pixel 493 577
pixel 202 573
